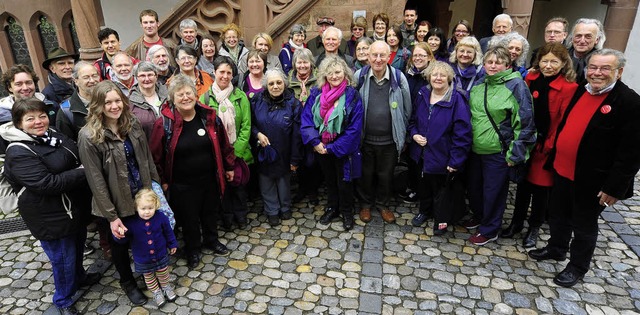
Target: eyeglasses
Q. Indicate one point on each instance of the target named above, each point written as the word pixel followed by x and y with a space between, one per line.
pixel 420 56
pixel 603 69
pixel 461 32
pixel 357 29
pixel 146 76
pixel 362 49
pixel 553 32
pixel 187 58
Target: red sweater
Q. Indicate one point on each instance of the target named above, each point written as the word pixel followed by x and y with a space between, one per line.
pixel 571 135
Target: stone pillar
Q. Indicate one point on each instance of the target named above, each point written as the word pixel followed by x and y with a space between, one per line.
pixel 520 12
pixel 253 19
pixel 618 22
pixel 87 20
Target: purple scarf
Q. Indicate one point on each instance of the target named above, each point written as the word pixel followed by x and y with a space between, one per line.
pixel 328 98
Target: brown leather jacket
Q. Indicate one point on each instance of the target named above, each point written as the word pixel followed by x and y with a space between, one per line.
pixel 106 169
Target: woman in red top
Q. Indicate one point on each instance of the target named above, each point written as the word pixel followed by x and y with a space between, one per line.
pixel 552 86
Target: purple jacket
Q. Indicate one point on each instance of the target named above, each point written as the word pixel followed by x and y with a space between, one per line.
pixel 149 238
pixel 347 143
pixel 447 129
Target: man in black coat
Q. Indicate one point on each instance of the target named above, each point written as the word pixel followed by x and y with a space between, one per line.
pixel 596 158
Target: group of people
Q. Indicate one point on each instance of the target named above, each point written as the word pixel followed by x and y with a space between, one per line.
pixel 189 122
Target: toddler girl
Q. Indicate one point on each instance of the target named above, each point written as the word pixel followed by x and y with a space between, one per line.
pixel 150 235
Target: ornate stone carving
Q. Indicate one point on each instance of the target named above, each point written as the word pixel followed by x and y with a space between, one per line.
pixel 210 16
pixel 521 23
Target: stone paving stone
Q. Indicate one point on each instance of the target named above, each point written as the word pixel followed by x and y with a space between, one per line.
pixel 371 303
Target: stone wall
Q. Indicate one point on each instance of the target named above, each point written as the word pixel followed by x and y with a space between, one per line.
pixel 342 12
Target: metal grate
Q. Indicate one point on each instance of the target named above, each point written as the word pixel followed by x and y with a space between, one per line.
pixel 12 225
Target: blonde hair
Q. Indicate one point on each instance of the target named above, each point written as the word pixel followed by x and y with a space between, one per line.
pixel 230 27
pixel 95 118
pixel 330 62
pixel 264 36
pixel 147 194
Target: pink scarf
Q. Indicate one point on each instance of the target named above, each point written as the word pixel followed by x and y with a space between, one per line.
pixel 328 98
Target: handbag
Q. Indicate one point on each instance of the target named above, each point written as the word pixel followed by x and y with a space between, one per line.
pixel 8 197
pixel 164 205
pixel 449 205
pixel 518 172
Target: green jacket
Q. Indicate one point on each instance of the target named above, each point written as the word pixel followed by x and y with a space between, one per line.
pixel 510 105
pixel 240 102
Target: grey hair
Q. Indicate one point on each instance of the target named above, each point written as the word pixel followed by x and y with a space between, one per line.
pixel 154 49
pixel 277 72
pixel 600 37
pixel 622 61
pixel 334 61
pixel 188 23
pixel 502 17
pixel 507 38
pixel 144 66
pixel 180 81
pixel 305 54
pixel 439 66
pixel 335 29
pixel 297 29
pixel 78 66
pixel 469 41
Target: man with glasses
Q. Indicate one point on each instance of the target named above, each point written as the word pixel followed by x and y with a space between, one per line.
pixel 596 158
pixel 586 37
pixel 408 27
pixel 387 106
pixel 555 31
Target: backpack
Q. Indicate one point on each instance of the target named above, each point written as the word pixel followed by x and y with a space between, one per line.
pixel 8 196
pixel 66 109
pixel 365 70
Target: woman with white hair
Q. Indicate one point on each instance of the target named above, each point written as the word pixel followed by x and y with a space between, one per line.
pixel 518 48
pixel 147 96
pixel 297 35
pixel 276 126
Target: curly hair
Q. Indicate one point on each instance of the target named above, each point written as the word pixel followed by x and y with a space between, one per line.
pixel 96 122
pixel 328 64
pixel 9 76
pixel 230 27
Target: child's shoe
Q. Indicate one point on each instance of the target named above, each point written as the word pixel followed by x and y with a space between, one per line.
pixel 158 297
pixel 169 293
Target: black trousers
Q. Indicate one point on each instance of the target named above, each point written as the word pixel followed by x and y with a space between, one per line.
pixel 378 162
pixel 121 259
pixel 234 203
pixel 196 207
pixel 428 188
pixel 340 192
pixel 570 213
pixel 538 196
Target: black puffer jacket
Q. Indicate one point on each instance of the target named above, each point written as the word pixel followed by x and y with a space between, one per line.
pixel 57 199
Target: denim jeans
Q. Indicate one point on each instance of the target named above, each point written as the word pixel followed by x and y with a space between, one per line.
pixel 488 186
pixel 65 255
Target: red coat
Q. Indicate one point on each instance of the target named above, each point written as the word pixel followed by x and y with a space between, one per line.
pixel 560 94
pixel 222 149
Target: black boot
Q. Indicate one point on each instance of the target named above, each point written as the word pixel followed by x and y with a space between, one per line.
pixel 511 230
pixel 531 237
pixel 133 293
pixel 329 215
pixel 347 221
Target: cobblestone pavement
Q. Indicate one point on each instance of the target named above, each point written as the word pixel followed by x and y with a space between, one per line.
pixel 302 267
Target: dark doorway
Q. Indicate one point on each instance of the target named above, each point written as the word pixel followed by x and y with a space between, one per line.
pixel 435 11
pixel 486 10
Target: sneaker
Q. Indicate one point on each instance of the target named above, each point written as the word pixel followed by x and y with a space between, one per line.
pixel 419 219
pixel 479 239
pixel 412 197
pixel 88 250
pixel 286 215
pixel 405 193
pixel 158 297
pixel 169 293
pixel 471 224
